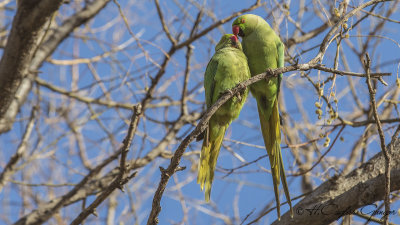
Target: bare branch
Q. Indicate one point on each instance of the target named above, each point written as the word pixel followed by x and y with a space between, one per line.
pixel 325 43
pixel 21 151
pixel 48 47
pixel 108 190
pixel 31 16
pixel 164 25
pixel 381 137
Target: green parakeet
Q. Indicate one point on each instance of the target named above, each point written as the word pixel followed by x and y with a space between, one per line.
pixel 227 68
pixel 264 50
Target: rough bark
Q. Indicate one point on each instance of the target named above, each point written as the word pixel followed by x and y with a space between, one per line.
pixel 343 195
pixel 31 16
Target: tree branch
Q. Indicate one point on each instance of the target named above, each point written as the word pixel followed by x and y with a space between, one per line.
pixel 95 185
pixel 30 17
pixel 45 50
pixel 9 169
pixel 372 93
pixel 342 195
pixel 325 43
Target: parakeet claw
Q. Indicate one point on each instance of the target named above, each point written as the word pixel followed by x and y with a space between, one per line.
pixel 227 91
pixel 241 86
pixel 242 91
pixel 239 96
pixel 269 72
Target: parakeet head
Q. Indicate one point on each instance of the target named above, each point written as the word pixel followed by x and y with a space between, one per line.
pixel 245 24
pixel 228 40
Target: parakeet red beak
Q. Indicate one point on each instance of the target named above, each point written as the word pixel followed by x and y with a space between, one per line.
pixel 235 41
pixel 235 30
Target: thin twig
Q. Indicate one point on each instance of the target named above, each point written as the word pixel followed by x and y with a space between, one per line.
pixel 340 72
pixel 370 218
pixel 164 25
pixel 21 152
pixel 128 140
pixel 189 52
pixel 325 43
pixel 365 122
pixel 320 158
pixel 387 156
pixel 91 209
pixel 220 22
pixel 122 178
pixel 273 208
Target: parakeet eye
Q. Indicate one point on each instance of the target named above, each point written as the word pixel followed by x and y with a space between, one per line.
pixel 242 21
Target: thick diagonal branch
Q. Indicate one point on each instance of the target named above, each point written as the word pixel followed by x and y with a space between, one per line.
pixel 343 195
pixel 30 18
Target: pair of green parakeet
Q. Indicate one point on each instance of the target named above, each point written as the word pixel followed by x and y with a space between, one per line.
pixel 230 65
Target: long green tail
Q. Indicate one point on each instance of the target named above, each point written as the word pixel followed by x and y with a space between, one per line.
pixel 208 157
pixel 270 128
